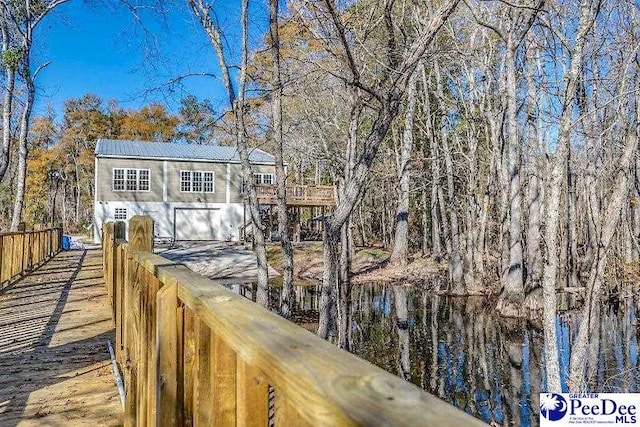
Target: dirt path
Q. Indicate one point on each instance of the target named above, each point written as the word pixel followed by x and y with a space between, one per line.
pixel 54 364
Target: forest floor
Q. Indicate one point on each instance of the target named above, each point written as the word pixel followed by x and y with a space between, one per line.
pixel 369 264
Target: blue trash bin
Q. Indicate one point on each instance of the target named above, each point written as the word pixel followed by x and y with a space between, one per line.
pixel 66 243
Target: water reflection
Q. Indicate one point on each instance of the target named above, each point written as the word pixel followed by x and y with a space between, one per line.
pixel 459 350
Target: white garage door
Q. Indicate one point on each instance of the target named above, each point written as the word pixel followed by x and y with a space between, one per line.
pixel 197 224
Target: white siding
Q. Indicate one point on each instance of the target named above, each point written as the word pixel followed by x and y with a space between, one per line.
pixel 163 214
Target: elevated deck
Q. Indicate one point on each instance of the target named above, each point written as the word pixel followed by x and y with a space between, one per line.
pixel 299 195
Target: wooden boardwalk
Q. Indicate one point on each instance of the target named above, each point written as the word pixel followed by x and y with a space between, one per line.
pixel 54 363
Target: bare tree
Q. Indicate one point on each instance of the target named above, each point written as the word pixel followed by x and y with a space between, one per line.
pixel 237 102
pixel 610 218
pixel 20 21
pixel 286 304
pixel 10 60
pixel 387 102
pixel 401 243
pixel 588 10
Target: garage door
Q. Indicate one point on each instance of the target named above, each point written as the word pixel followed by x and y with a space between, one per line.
pixel 197 224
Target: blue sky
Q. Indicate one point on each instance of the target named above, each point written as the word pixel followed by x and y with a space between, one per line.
pixel 98 47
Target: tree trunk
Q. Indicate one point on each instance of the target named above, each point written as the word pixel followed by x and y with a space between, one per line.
pixel 401 242
pixel 534 250
pixel 592 131
pixel 387 111
pixel 553 202
pixel 330 239
pixel 25 121
pixel 571 273
pixel 425 222
pixel 238 105
pixel 436 242
pixel 7 104
pixel 402 328
pixel 591 311
pixel 286 302
pixel 512 293
pixel 343 290
pixel 455 261
pixel 6 120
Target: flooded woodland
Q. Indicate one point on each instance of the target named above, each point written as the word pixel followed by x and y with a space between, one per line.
pixel 461 350
pixel 494 140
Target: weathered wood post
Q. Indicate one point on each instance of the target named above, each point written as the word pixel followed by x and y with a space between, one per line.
pixel 27 251
pixel 168 346
pixel 38 246
pixel 140 239
pixel 270 235
pixel 23 246
pixel 1 260
pixel 119 228
pixel 296 225
pixel 107 245
pixel 17 253
pixel 48 235
pixel 252 391
pixel 141 233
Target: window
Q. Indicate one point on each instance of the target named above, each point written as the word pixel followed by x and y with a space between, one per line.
pixel 185 181
pixel 131 179
pixel 197 182
pixel 263 178
pixel 208 182
pixel 118 179
pixel 143 180
pixel 120 214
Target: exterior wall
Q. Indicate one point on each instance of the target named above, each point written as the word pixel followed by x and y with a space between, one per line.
pixel 163 213
pixel 164 194
pixel 235 183
pixel 104 180
pixel 264 169
pixel 173 182
pixel 228 178
pixel 236 179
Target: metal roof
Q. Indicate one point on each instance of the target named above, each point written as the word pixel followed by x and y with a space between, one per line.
pixel 172 151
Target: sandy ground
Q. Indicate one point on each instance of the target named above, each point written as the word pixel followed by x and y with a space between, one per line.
pixel 216 260
pixel 369 264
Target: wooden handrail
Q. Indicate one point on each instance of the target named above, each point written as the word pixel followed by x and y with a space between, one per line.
pixel 308 194
pixel 22 251
pixel 195 353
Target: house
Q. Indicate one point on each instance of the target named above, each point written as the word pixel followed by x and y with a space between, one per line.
pixel 193 192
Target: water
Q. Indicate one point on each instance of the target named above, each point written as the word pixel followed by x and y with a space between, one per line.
pixel 459 350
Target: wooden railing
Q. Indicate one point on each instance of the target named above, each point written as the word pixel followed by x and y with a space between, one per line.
pixel 195 353
pixel 299 195
pixel 22 251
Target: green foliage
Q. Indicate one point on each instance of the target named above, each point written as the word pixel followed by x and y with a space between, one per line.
pixel 197 120
pixel 60 167
pixel 11 57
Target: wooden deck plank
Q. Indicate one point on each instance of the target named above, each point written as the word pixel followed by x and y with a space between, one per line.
pixel 54 363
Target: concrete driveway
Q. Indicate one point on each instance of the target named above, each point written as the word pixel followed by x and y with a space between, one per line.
pixel 222 261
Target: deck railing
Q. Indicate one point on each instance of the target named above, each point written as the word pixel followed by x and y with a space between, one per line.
pixel 307 195
pixel 22 251
pixel 195 353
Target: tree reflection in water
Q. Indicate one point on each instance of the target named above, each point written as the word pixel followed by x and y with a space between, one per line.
pixel 461 351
